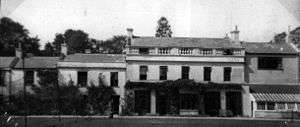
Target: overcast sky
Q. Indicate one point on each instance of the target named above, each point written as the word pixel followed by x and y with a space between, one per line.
pixel 258 20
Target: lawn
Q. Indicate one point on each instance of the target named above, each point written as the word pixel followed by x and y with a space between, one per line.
pixel 152 122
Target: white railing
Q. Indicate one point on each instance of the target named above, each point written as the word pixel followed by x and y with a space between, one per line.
pixel 185 51
pixel 164 51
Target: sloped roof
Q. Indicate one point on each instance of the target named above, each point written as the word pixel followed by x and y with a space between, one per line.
pixel 95 58
pixel 38 62
pixel 7 62
pixel 285 89
pixel 184 42
pixel 267 47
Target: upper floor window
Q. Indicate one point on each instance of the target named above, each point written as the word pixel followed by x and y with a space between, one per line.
pixel 29 77
pixel 164 51
pixel 227 73
pixel 228 52
pixel 207 51
pixel 207 74
pixel 114 79
pixel 2 78
pixel 185 51
pixel 163 72
pixel 269 63
pixel 82 78
pixel 143 72
pixel 185 70
pixel 143 51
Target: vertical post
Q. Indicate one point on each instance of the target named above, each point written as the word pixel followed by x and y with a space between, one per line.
pixel 153 102
pixel 223 100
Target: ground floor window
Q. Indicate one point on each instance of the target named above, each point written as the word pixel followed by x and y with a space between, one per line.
pixel 261 106
pixel 290 106
pixel 270 105
pixel 188 101
pixel 280 106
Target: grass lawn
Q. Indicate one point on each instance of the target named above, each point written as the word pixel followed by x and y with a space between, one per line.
pixel 152 122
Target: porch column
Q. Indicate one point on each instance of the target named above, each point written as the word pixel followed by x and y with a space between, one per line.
pixel 153 102
pixel 223 100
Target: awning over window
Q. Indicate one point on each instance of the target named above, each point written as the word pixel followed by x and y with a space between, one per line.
pixel 276 97
pixel 276 93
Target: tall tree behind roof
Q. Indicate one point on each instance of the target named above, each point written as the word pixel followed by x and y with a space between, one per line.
pixel 163 28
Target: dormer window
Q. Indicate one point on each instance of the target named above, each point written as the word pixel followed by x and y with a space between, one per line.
pixel 228 52
pixel 143 50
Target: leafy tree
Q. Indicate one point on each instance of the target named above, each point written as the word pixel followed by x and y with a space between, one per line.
pixel 77 41
pixel 295 36
pixel 280 37
pixel 12 33
pixel 48 50
pixel 163 29
pixel 114 45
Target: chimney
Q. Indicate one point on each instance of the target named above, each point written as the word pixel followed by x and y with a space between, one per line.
pixel 18 50
pixel 64 50
pixel 235 35
pixel 129 36
pixel 287 37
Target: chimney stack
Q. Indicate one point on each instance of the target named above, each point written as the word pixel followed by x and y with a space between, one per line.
pixel 18 50
pixel 287 37
pixel 235 34
pixel 129 35
pixel 64 50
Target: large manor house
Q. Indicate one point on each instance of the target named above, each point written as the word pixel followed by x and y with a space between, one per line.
pixel 208 76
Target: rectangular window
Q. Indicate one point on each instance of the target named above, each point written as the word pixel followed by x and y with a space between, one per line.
pixel 261 106
pixel 188 101
pixel 114 80
pixel 185 70
pixel 143 51
pixel 143 72
pixel 280 106
pixel 298 106
pixel 290 106
pixel 270 106
pixel 29 77
pixel 227 73
pixel 269 63
pixel 82 78
pixel 2 77
pixel 207 74
pixel 163 70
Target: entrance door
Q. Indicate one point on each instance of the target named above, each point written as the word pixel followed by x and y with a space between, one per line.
pixel 161 103
pixel 234 103
pixel 115 104
pixel 212 103
pixel 142 101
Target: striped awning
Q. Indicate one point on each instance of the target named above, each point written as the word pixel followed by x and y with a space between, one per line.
pixel 276 97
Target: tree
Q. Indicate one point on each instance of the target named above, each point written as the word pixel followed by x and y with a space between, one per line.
pixel 77 41
pixel 12 33
pixel 114 45
pixel 48 50
pixel 163 29
pixel 295 36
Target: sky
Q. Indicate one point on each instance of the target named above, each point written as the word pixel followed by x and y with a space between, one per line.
pixel 257 20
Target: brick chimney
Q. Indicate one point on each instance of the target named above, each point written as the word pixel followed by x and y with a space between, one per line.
pixel 18 50
pixel 64 49
pixel 129 36
pixel 235 34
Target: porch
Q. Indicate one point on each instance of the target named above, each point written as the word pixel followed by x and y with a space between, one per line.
pixel 189 98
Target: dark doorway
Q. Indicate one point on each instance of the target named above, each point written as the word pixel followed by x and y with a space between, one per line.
pixel 161 103
pixel 115 104
pixel 142 101
pixel 212 103
pixel 234 103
